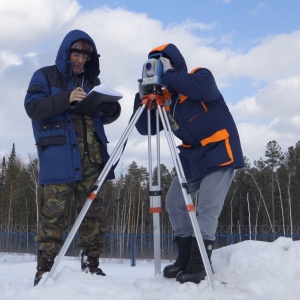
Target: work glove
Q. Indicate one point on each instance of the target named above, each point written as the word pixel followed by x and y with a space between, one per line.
pixel 111 115
pixel 107 108
pixel 166 63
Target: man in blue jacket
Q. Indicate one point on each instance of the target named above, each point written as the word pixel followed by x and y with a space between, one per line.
pixel 209 154
pixel 72 149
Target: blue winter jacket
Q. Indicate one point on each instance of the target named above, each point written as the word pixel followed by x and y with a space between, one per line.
pixel 210 140
pixel 47 104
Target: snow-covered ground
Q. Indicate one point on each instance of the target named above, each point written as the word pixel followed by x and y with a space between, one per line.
pixel 249 270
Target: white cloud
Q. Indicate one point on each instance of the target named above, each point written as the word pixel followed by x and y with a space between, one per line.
pixel 8 59
pixel 259 7
pixel 246 109
pixel 124 39
pixel 30 22
pixel 296 121
pixel 281 97
pixel 274 58
pixel 254 138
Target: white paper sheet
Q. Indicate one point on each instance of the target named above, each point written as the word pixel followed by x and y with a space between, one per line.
pixel 104 89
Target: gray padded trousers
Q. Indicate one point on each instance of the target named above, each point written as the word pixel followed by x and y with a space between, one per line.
pixel 211 190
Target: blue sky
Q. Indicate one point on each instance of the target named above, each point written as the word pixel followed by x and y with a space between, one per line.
pixel 237 24
pixel 247 21
pixel 252 47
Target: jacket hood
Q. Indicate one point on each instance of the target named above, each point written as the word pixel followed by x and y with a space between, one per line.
pixel 171 52
pixel 92 67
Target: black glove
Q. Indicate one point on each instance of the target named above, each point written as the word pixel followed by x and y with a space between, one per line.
pixel 112 113
pixel 107 108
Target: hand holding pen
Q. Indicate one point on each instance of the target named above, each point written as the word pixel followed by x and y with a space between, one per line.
pixel 77 95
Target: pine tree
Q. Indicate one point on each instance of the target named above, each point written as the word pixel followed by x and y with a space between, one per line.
pixel 2 190
pixel 274 159
pixel 10 183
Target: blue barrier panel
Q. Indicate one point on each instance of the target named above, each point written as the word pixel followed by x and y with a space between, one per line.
pixel 127 246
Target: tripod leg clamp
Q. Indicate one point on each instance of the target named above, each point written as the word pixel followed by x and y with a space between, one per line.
pixel 155 202
pixel 190 207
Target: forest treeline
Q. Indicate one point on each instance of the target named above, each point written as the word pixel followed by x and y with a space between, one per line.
pixel 263 195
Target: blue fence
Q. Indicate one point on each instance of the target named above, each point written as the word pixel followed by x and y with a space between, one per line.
pixel 127 246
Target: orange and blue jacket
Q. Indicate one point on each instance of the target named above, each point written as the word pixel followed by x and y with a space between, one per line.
pixel 210 139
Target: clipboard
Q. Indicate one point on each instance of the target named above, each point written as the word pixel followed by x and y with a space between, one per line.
pixel 98 95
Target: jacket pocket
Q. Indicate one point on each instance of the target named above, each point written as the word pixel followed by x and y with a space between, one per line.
pixel 197 110
pixel 51 141
pixel 52 125
pixel 219 141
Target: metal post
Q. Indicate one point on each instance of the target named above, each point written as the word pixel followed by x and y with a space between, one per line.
pixel 155 194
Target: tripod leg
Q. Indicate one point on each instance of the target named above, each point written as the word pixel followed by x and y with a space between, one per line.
pixel 187 197
pixel 95 190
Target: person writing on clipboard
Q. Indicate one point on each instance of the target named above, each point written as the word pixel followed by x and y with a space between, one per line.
pixel 72 149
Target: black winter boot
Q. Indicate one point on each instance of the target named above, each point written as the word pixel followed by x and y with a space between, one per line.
pixel 44 264
pixel 184 245
pixel 195 270
pixel 90 263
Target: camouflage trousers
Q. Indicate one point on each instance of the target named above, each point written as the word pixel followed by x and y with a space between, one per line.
pixel 56 211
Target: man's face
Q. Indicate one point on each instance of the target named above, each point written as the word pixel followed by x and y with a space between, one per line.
pixel 79 61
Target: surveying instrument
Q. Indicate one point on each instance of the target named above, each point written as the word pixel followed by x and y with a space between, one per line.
pixel 152 100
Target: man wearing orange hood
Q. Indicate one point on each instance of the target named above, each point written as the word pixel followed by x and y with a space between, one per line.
pixel 209 154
